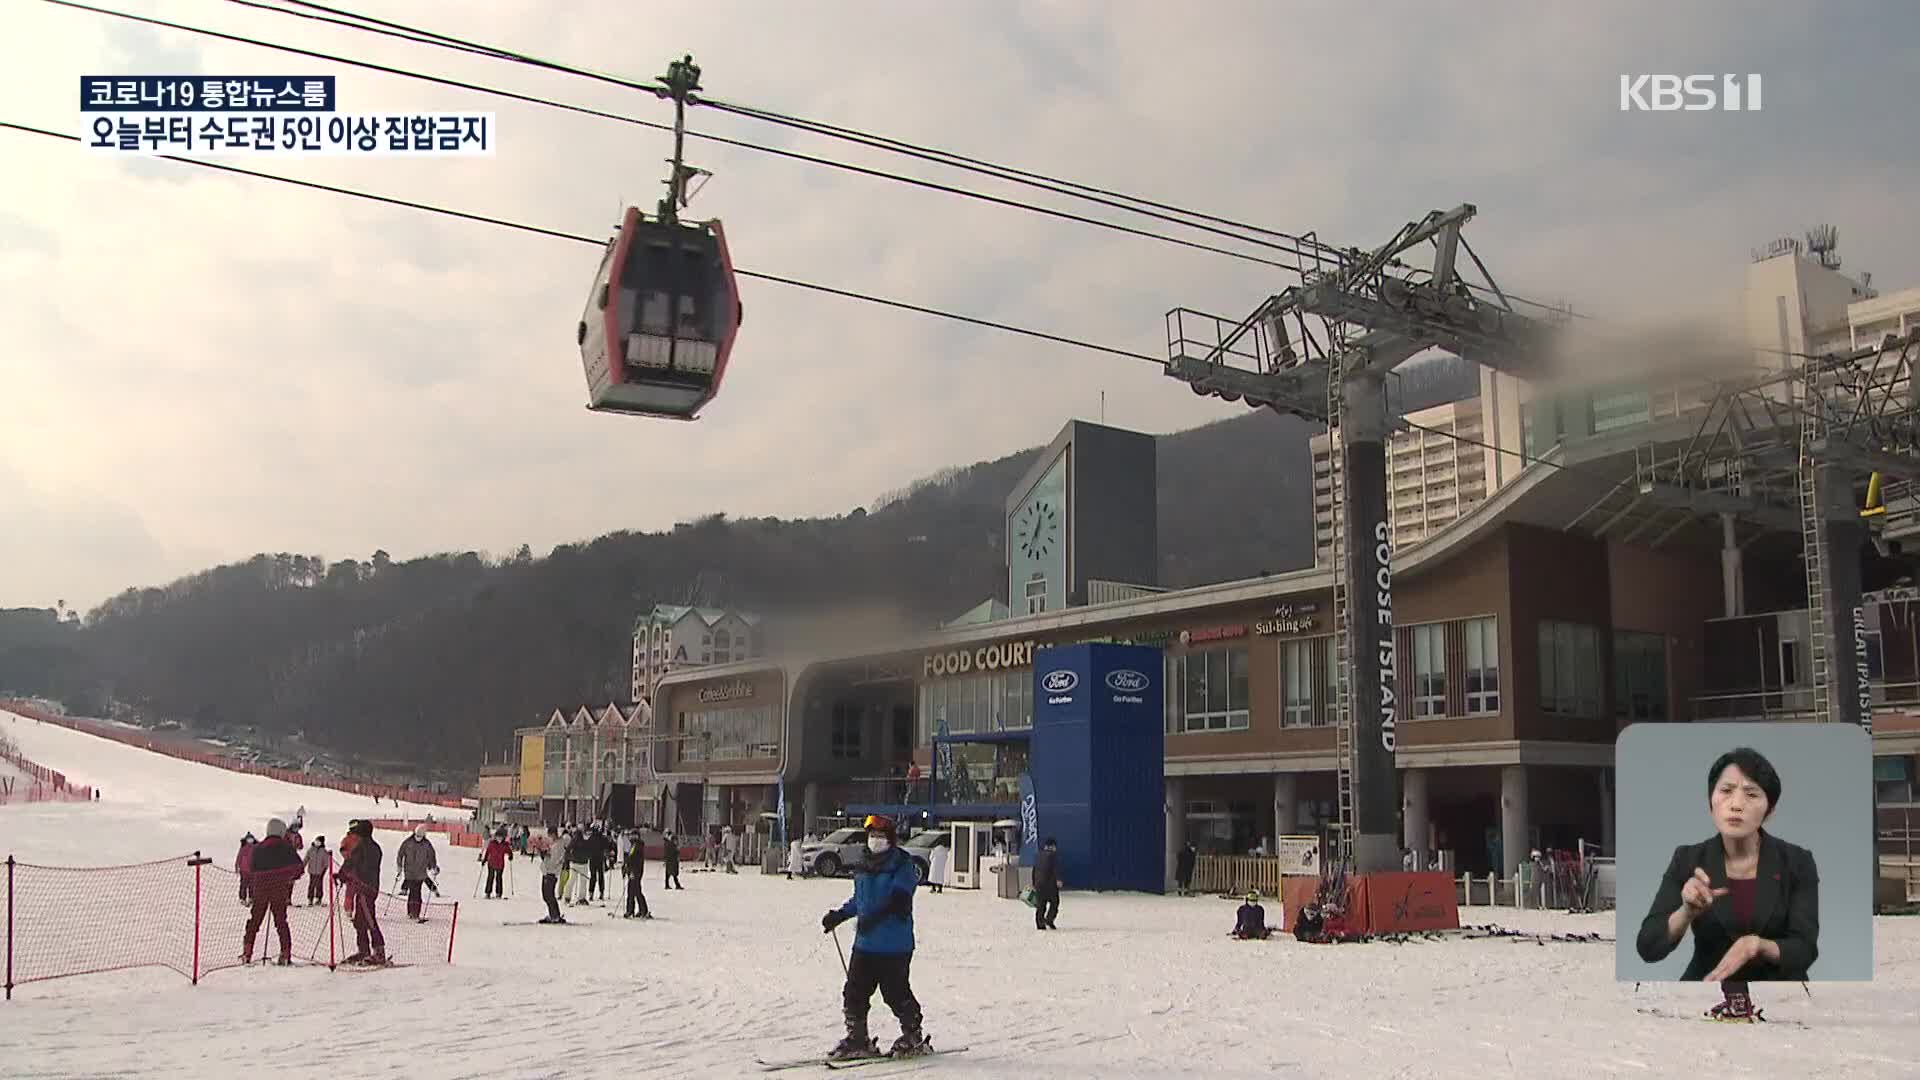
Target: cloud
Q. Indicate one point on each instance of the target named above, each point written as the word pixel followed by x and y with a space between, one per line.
pixel 206 366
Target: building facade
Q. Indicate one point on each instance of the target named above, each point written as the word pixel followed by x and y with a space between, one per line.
pixel 672 637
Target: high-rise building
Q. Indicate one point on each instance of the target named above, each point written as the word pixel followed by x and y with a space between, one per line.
pixel 672 636
pixel 1433 475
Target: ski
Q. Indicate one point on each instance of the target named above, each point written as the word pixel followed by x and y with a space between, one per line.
pixel 848 1063
pixel 1703 1017
pixel 889 1058
pixel 541 922
pixel 371 967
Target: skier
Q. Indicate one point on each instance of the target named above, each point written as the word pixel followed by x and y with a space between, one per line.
pixel 318 859
pixel 360 873
pixel 496 856
pixel 1250 922
pixel 580 855
pixel 1046 885
pixel 1183 868
pixel 882 901
pixel 602 857
pixel 274 865
pixel 633 866
pixel 553 862
pixel 417 863
pixel 1307 925
pixel 670 865
pixel 243 865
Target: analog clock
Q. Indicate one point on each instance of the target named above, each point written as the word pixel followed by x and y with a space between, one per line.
pixel 1037 530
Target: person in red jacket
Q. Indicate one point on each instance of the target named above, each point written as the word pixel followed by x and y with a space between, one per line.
pixel 499 850
pixel 274 867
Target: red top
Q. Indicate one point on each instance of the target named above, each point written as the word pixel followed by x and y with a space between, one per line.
pixel 1741 892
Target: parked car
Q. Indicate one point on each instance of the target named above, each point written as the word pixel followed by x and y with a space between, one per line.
pixel 920 847
pixel 834 852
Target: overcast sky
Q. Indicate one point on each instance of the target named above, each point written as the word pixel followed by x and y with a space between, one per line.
pixel 195 367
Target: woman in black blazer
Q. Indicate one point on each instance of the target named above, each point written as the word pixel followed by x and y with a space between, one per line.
pixel 1751 899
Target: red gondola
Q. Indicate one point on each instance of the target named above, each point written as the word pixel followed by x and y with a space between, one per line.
pixel 661 319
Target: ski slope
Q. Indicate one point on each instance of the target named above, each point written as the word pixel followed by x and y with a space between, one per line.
pixel 736 967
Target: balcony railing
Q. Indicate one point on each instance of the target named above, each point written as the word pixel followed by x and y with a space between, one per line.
pixel 1789 703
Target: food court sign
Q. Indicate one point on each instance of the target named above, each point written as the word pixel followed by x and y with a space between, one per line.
pixel 1006 654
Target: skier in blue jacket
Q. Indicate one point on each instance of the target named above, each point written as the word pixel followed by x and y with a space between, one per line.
pixel 882 902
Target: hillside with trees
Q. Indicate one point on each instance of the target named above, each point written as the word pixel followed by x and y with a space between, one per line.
pixel 435 660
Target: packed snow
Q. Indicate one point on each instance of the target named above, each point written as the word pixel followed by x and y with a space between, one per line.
pixel 736 967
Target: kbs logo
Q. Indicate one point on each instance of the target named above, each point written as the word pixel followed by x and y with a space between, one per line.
pixel 1688 93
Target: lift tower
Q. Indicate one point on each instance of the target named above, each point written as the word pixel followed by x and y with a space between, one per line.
pixel 1373 312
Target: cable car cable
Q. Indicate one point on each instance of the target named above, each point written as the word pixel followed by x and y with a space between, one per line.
pixel 777 279
pixel 577 238
pixel 795 155
pixel 420 35
pixel 1321 249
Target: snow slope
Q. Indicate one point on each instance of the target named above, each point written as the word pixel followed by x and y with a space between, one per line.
pixel 736 966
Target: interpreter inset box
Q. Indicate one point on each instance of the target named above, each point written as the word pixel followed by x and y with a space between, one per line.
pixel 1745 853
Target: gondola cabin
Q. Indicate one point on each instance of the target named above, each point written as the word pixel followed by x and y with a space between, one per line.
pixel 661 319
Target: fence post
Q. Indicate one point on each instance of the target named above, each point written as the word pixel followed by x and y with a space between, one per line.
pixel 452 929
pixel 9 928
pixel 196 862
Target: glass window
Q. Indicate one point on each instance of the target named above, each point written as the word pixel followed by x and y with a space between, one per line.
pixel 1430 670
pixel 1569 669
pixel 1483 665
pixel 846 732
pixel 1639 677
pixel 1330 698
pixel 1296 678
pixel 1213 690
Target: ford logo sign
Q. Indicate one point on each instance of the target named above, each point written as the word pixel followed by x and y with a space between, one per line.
pixel 1126 681
pixel 1059 682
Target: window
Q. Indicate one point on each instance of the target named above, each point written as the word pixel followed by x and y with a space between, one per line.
pixel 1483 666
pixel 1330 697
pixel 730 734
pixel 1789 662
pixel 846 732
pixel 1639 677
pixel 1036 594
pixel 976 704
pixel 1569 669
pixel 1430 670
pixel 1212 690
pixel 1296 683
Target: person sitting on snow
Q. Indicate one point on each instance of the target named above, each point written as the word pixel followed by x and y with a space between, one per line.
pixel 1308 925
pixel 1250 922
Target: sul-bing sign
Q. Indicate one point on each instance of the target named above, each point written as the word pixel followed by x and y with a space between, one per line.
pixel 1289 619
pixel 1007 654
pixel 732 691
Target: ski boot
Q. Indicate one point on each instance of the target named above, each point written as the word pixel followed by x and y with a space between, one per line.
pixel 857 1044
pixel 1736 1009
pixel 912 1043
pixel 356 958
pixel 284 961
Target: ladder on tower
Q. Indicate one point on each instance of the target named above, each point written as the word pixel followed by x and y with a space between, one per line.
pixel 1341 859
pixel 1814 549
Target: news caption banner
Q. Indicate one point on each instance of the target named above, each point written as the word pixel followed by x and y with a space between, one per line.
pixel 297 115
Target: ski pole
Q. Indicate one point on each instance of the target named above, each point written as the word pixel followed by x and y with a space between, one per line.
pixel 842 952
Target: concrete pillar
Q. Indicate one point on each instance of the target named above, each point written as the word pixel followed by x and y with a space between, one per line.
pixel 1513 819
pixel 809 806
pixel 1176 838
pixel 1733 587
pixel 1286 803
pixel 1416 815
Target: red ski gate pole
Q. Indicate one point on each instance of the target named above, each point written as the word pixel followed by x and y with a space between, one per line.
pixel 452 929
pixel 333 910
pixel 196 862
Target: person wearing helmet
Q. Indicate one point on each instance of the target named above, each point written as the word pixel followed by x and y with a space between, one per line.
pixel 1250 922
pixel 359 874
pixel 274 867
pixel 883 887
pixel 417 863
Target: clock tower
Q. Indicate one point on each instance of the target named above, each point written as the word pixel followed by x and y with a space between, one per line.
pixel 1085 512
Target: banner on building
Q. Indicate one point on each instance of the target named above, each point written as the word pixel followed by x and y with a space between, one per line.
pixel 1299 855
